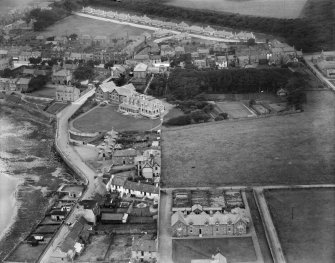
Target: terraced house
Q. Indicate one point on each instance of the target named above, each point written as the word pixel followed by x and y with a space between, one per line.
pixel 199 223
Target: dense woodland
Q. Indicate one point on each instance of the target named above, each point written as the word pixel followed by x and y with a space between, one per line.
pixel 186 84
pixel 313 32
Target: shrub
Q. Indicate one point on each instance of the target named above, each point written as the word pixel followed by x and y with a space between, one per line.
pixel 179 121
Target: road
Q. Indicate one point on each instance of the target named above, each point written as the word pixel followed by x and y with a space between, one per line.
pixel 165 239
pixel 70 156
pixel 308 60
pixel 270 230
pixel 156 28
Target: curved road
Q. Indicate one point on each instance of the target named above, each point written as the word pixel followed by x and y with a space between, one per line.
pixel 71 157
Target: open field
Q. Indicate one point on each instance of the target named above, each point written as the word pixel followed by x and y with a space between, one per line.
pixel 265 8
pixel 82 25
pixel 235 249
pixel 120 248
pixel 45 92
pixel 290 149
pixel 173 113
pixel 304 219
pixel 107 118
pixel 235 109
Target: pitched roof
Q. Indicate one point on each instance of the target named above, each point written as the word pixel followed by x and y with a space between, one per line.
pixel 108 86
pixel 111 216
pixel 177 216
pixel 125 90
pixel 88 204
pixel 58 212
pixel 141 67
pixel 136 186
pixel 23 81
pixel 126 152
pixel 119 180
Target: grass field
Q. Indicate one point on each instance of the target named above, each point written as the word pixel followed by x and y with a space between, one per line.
pixel 173 113
pixel 107 118
pixel 26 253
pixel 83 25
pixel 238 249
pixel 290 149
pixel 96 249
pixel 56 107
pixel 265 8
pixel 304 219
pixel 234 109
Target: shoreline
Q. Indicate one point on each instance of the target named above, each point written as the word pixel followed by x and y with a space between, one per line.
pixel 16 205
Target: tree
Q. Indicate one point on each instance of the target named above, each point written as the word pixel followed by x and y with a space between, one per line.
pixel 84 72
pixel 297 99
pixel 35 61
pixel 251 42
pixel 37 83
pixel 73 36
pixel 179 121
pixel 7 73
pixel 109 64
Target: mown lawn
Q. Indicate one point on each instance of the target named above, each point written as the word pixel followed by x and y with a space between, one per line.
pixel 304 219
pixel 238 249
pixel 290 149
pixel 107 118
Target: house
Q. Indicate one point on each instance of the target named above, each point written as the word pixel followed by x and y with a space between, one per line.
pixel 73 243
pixel 199 223
pixel 217 258
pixel 151 168
pixel 144 249
pixel 114 218
pixel 327 68
pixel 203 52
pixel 155 59
pixel 142 58
pixel 138 189
pixel 73 191
pixel 140 71
pixel 22 85
pixel 5 63
pixel 200 63
pixel 67 93
pixel 124 157
pixel 220 47
pixel 62 76
pixel 180 50
pixel 167 51
pixel 117 71
pixel 282 92
pixel 103 91
pixel 58 215
pixel 89 209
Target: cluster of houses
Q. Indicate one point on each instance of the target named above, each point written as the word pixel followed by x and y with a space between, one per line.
pixel 128 100
pixel 200 213
pixel 181 27
pixel 325 62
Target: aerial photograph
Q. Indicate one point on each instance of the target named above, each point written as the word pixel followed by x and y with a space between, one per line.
pixel 167 131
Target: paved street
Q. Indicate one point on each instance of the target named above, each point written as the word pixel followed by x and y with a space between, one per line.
pixel 165 239
pixel 270 230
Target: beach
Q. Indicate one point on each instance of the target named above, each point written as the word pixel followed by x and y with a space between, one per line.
pixel 30 170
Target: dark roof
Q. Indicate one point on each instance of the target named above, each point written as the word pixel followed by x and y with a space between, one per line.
pixel 111 217
pixel 88 204
pixel 58 212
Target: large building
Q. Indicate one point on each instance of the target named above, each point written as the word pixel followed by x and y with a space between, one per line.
pixel 67 93
pixel 110 92
pixel 143 105
pixel 199 223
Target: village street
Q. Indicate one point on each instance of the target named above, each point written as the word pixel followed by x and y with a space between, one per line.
pixel 71 156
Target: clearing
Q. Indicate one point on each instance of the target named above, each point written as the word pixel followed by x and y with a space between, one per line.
pixel 235 249
pixel 83 25
pixel 290 149
pixel 304 219
pixel 107 118
pixel 265 8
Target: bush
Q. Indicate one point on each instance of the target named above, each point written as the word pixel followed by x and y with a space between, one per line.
pixel 179 121
pixel 219 118
pixel 199 116
pixel 224 115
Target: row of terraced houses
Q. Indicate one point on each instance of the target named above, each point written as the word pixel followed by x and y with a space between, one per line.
pixel 183 27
